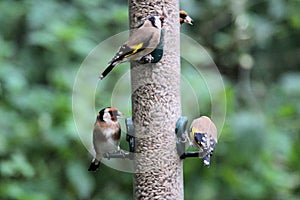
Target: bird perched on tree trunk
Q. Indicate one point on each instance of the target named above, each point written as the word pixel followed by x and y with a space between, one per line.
pixel 204 135
pixel 106 134
pixel 141 42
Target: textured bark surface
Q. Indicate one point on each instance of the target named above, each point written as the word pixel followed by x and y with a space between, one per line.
pixel 156 107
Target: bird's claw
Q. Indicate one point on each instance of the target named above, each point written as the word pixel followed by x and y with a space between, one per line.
pixel 107 155
pixel 122 152
pixel 185 138
pixel 148 58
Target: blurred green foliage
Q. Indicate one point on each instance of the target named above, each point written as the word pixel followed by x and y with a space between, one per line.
pixel 255 45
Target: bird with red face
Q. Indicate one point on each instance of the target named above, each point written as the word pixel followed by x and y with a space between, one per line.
pixel 106 134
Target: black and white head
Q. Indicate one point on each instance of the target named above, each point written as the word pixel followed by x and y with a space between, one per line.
pixel 156 21
pixel 109 114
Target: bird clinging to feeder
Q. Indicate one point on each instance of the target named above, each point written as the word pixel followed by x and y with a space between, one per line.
pixel 204 136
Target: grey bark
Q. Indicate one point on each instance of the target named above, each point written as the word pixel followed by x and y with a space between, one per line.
pixel 156 107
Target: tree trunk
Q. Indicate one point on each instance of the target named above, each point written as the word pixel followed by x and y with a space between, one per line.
pixel 156 107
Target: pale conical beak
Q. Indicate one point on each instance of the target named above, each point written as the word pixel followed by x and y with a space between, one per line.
pixel 119 115
pixel 188 20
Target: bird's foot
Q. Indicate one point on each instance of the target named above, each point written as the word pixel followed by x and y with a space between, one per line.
pixel 122 152
pixel 186 139
pixel 148 58
pixel 106 155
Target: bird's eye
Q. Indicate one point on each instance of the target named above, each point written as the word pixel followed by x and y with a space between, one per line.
pixel 113 114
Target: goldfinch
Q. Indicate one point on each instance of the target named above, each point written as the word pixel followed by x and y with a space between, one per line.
pixel 204 135
pixel 106 134
pixel 184 18
pixel 141 42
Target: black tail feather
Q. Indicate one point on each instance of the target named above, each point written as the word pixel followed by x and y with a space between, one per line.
pixel 206 160
pixel 94 165
pixel 107 70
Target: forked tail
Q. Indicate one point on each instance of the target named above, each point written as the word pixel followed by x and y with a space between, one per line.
pixel 107 70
